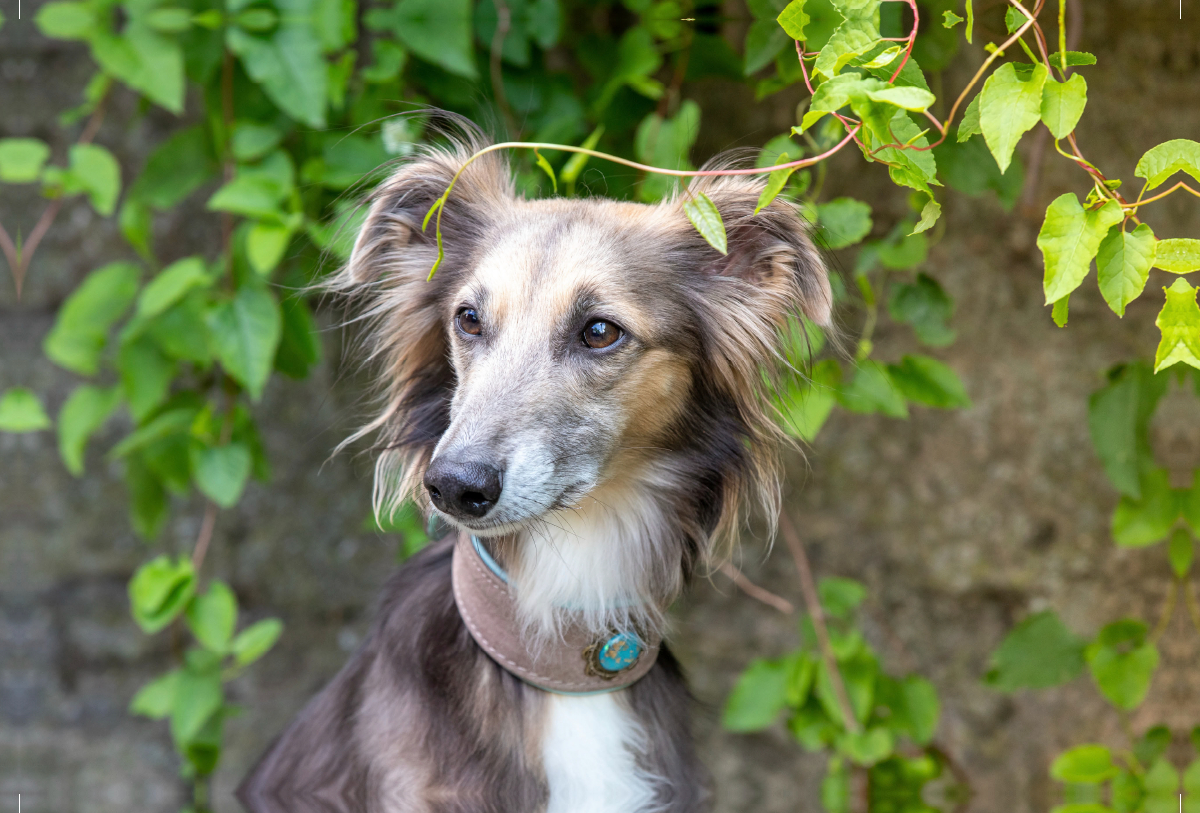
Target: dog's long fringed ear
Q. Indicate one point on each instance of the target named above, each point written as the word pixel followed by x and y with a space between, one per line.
pixel 402 313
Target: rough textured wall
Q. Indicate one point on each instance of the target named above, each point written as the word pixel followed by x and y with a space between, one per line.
pixel 960 523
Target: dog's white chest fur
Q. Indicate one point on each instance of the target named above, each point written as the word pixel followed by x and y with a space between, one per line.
pixel 590 756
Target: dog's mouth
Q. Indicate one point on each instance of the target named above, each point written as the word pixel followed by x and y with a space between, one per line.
pixel 512 512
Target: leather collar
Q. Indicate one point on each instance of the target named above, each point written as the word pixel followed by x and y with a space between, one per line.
pixel 578 662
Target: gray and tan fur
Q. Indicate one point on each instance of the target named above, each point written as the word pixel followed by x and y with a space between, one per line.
pixel 622 470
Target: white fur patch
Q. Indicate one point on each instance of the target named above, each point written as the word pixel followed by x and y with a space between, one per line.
pixel 590 756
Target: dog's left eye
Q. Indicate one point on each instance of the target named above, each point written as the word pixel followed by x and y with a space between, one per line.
pixel 599 334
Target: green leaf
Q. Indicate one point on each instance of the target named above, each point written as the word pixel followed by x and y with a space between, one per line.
pixel 147 498
pixel 1180 553
pixel 775 183
pixel 1163 161
pixel 867 747
pixel 758 697
pixel 545 166
pixel 146 376
pixel 843 222
pixel 930 382
pixel 886 57
pixel 1059 313
pixel 288 64
pixel 156 698
pixel 144 59
pixel 1063 103
pixel 764 40
pixel 85 411
pixel 1179 322
pixel 66 21
pixel 666 143
pixel 793 19
pixel 265 246
pixel 1123 265
pixel 1118 416
pixel 1069 238
pixel 249 195
pixel 22 159
pixel 252 140
pixel 1038 653
pixel 703 214
pixel 170 422
pixel 872 390
pixel 245 334
pixel 177 168
pixel 839 597
pixel 908 98
pixel 921 708
pixel 808 404
pixel 160 590
pixel 970 124
pixel 299 345
pixel 1140 522
pixel 254 641
pixel 221 471
pixel 950 19
pixel 1075 59
pixel 171 285
pixel 79 333
pixel 1008 107
pixel 21 411
pixel 212 617
pixel 1084 765
pixel 857 34
pixel 926 307
pixel 1179 255
pixel 438 31
pixel 1122 662
pixel 198 696
pixel 968 167
pixel 97 172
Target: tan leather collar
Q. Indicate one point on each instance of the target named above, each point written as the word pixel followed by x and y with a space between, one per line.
pixel 577 663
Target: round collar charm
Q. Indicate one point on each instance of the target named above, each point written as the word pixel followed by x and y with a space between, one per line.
pixel 608 658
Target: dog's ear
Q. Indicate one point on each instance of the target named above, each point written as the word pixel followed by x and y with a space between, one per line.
pixel 403 313
pixel 769 251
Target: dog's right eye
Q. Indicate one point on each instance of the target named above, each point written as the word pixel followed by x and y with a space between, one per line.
pixel 468 321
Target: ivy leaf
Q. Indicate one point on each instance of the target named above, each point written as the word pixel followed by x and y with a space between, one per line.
pixel 176 168
pixel 160 590
pixel 1060 311
pixel 146 375
pixel 221 471
pixel 808 405
pixel 886 57
pixel 764 40
pixel 1063 103
pixel 198 696
pixel 872 390
pixel 288 64
pixel 793 19
pixel 950 19
pixel 843 222
pixel 1179 322
pixel 66 21
pixel 144 59
pixel 212 617
pixel 22 159
pixel 1122 661
pixel 908 98
pixel 867 747
pixel 1138 522
pixel 703 214
pixel 1178 255
pixel 171 285
pixel 758 697
pixel 1180 552
pixel 857 34
pixel 1084 765
pixel 1118 417
pixel 970 125
pixel 1038 653
pixel 926 307
pixel 1123 265
pixel 545 166
pixel 928 381
pixel 147 498
pixel 245 334
pixel 1163 161
pixel 80 331
pixel 97 172
pixel 265 246
pixel 155 699
pixel 438 31
pixel 254 641
pixel 85 411
pixel 1008 107
pixel 1075 59
pixel 1069 238
pixel 22 411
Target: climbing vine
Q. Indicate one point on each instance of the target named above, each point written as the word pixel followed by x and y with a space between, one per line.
pixel 284 110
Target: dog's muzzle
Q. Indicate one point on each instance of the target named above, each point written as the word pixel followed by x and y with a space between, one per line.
pixel 461 488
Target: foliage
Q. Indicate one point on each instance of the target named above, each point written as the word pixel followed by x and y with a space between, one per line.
pixel 288 107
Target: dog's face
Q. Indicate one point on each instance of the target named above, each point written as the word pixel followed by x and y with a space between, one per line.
pixel 565 344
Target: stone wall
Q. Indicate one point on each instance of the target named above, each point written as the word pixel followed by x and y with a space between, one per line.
pixel 960 523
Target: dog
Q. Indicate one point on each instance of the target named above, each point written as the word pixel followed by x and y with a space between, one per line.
pixel 582 391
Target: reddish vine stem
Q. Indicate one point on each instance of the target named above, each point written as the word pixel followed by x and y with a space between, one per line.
pixel 754 591
pixel 19 259
pixel 812 603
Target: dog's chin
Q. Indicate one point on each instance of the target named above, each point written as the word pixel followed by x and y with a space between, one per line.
pixel 485 527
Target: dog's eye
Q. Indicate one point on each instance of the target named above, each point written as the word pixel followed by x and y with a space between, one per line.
pixel 600 334
pixel 468 321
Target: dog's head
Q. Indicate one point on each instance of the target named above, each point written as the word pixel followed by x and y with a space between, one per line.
pixel 572 353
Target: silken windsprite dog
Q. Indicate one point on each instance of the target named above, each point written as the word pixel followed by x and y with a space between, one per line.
pixel 581 391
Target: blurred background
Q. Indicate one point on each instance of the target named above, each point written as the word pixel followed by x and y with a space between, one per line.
pixel 960 523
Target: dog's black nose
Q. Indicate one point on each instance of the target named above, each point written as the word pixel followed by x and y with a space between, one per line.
pixel 463 488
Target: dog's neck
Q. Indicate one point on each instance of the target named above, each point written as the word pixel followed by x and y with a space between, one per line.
pixel 612 562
